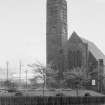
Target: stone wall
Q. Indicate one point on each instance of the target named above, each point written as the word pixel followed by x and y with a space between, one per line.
pixel 56 33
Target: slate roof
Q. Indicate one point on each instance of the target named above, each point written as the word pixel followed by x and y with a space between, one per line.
pixel 91 47
pixel 94 50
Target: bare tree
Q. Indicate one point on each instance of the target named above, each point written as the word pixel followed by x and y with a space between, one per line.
pixel 45 73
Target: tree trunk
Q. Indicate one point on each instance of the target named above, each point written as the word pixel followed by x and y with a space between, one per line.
pixel 77 92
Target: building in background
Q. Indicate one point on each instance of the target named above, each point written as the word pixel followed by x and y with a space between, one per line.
pixel 70 53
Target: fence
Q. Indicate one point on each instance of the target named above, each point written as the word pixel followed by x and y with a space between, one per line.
pixel 52 100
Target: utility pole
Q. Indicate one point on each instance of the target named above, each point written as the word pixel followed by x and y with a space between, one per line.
pixel 20 66
pixel 87 55
pixel 7 69
pixel 26 77
pixel 98 77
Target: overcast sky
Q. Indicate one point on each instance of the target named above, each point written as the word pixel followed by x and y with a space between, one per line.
pixel 23 28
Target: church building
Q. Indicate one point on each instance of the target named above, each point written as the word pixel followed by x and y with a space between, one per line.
pixel 70 53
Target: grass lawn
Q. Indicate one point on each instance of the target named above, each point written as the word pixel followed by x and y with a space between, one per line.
pixel 53 93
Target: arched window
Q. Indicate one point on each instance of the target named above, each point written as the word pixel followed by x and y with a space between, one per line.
pixel 70 59
pixel 79 59
pixel 74 59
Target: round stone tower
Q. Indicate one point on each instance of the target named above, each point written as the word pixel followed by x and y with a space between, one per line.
pixel 56 32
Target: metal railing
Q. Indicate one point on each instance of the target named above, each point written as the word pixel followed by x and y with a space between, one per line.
pixel 52 100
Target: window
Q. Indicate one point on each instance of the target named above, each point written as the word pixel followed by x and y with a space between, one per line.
pixel 74 59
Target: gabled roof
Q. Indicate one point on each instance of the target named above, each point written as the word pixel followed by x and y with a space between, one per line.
pixel 94 50
pixel 91 46
pixel 75 38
